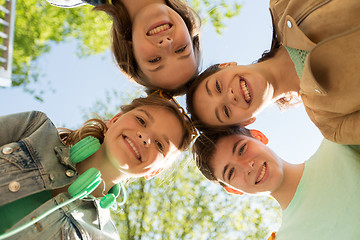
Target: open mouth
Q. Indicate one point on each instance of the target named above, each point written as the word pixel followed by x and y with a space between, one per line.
pixel 135 151
pixel 262 174
pixel 159 29
pixel 245 90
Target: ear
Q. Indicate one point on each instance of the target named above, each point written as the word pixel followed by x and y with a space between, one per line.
pixel 153 174
pixel 228 64
pixel 114 119
pixel 233 191
pixel 259 136
pixel 248 122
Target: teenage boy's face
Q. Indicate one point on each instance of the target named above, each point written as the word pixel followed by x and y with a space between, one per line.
pixel 246 164
pixel 163 46
pixel 143 140
pixel 232 95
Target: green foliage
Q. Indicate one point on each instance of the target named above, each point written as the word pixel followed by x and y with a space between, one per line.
pixel 183 205
pixel 215 12
pixel 39 25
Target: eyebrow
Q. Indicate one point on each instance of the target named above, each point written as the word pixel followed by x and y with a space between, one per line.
pixel 210 94
pixel 225 168
pixel 235 146
pixel 233 151
pixel 218 115
pixel 207 88
pixel 147 114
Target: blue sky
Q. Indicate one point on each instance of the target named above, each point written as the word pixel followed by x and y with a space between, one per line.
pixel 80 82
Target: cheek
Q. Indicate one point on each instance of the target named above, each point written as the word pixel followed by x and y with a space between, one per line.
pixel 143 51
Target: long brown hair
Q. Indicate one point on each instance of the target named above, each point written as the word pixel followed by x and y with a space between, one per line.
pixel 121 34
pixel 97 127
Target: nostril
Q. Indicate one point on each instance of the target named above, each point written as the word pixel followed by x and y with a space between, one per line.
pixel 161 42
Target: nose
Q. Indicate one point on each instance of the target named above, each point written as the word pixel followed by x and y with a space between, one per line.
pixel 231 96
pixel 248 165
pixel 144 138
pixel 165 42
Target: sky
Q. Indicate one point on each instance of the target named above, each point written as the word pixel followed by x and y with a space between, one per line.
pixel 80 82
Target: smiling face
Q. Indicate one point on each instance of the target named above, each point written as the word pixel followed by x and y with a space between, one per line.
pixel 163 46
pixel 246 164
pixel 143 140
pixel 232 95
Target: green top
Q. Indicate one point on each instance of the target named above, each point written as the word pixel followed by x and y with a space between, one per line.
pixel 298 57
pixel 326 203
pixel 15 211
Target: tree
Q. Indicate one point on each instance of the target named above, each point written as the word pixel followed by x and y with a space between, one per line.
pixel 182 204
pixel 38 25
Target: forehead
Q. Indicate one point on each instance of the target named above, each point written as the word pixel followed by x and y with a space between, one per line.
pixel 224 153
pixel 204 104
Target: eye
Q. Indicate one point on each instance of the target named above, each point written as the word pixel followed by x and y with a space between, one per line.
pixel 181 49
pixel 241 150
pixel 155 60
pixel 159 146
pixel 226 111
pixel 141 121
pixel 231 172
pixel 217 85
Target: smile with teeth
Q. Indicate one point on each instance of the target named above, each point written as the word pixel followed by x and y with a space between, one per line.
pixel 158 29
pixel 262 174
pixel 134 148
pixel 245 90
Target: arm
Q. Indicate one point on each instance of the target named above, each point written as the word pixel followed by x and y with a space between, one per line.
pixel 17 126
pixel 343 130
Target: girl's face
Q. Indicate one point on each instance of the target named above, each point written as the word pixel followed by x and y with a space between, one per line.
pixel 143 140
pixel 232 95
pixel 163 46
pixel 247 164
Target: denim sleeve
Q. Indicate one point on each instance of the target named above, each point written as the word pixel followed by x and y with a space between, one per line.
pixel 18 126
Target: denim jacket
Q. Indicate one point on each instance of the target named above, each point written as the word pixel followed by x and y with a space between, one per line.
pixel 34 159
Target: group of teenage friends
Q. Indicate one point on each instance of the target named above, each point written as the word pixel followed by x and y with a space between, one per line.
pixel 314 58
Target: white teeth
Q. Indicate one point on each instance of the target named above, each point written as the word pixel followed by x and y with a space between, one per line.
pixel 133 147
pixel 263 170
pixel 159 29
pixel 245 90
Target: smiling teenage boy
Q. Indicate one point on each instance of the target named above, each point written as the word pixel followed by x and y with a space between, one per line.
pixel 319 198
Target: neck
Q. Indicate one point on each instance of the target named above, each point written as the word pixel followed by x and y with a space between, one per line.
pixel 100 161
pixel 134 6
pixel 281 73
pixel 286 191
